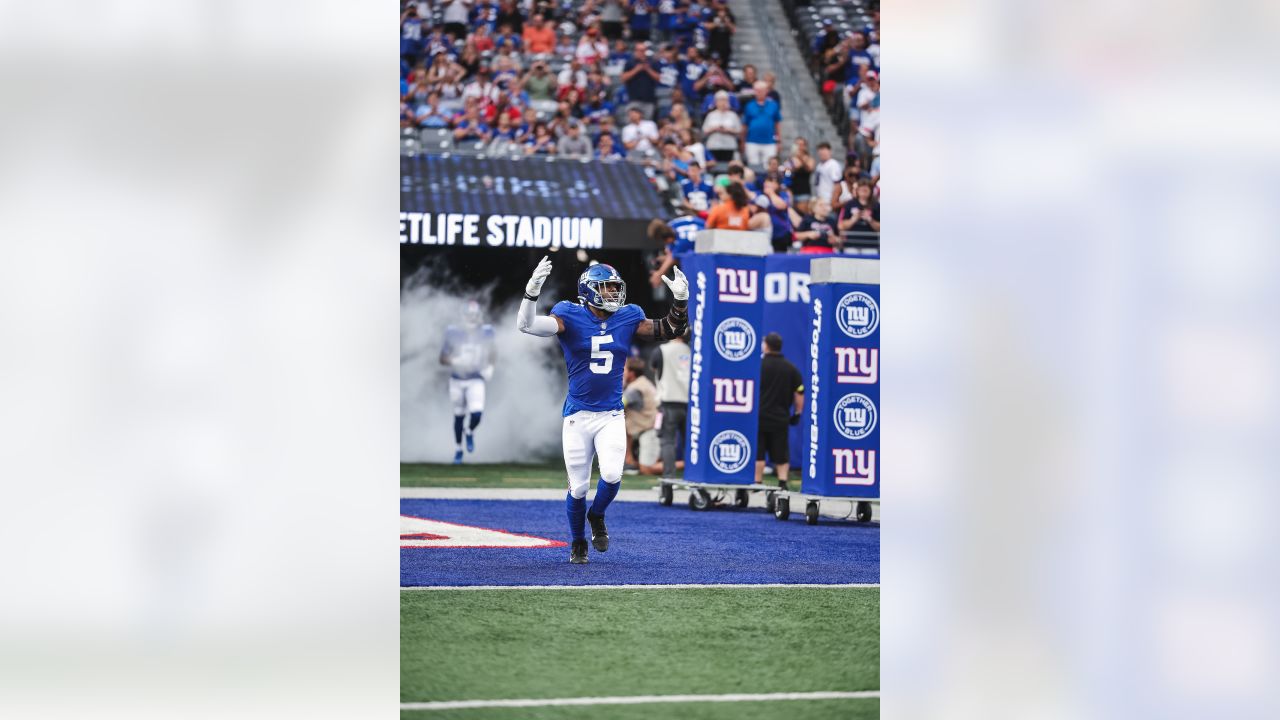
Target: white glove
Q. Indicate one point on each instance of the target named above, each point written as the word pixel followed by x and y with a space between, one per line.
pixel 540 274
pixel 678 285
pixel 487 373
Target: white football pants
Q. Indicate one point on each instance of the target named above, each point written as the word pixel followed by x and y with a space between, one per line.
pixel 467 396
pixel 587 434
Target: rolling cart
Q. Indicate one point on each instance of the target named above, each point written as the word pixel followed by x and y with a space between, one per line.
pixel 859 508
pixel 704 496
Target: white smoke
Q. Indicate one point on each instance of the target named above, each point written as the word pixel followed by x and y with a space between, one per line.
pixel 521 421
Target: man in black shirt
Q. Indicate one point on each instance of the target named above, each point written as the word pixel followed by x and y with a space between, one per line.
pixel 781 402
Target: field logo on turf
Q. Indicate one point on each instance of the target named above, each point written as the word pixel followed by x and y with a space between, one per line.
pixel 857 314
pixel 730 451
pixel 735 339
pixel 855 416
pixel 854 467
pixel 734 395
pixel 857 366
pixel 737 285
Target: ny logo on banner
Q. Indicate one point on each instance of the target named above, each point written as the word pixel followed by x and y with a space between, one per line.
pixel 857 366
pixel 854 467
pixel 734 395
pixel 737 286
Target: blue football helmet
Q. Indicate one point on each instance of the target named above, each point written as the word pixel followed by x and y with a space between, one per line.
pixel 602 287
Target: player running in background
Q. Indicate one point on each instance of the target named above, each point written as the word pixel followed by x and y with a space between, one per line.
pixel 595 335
pixel 468 351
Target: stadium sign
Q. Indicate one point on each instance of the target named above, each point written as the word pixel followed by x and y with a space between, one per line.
pixel 474 230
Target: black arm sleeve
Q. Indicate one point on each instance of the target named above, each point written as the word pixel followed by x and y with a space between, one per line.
pixel 674 324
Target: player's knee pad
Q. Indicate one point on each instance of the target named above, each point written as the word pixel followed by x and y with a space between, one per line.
pixel 578 485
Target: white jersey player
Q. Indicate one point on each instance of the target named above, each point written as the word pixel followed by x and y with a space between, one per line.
pixel 595 335
pixel 468 351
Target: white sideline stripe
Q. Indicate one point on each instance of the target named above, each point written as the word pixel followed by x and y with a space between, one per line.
pixel 641 587
pixel 464 493
pixel 639 700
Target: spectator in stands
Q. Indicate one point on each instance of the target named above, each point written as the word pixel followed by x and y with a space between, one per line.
pixel 817 231
pixel 776 203
pixel 606 149
pixel 483 40
pixel 539 36
pixel 509 15
pixel 618 59
pixel 456 16
pixel 429 114
pixel 712 81
pixel 680 117
pixel 471 126
pixel 642 12
pixel 692 68
pixel 609 127
pixel 672 166
pixel 747 85
pixel 722 129
pixel 691 150
pixel 862 213
pixel 684 25
pixel 574 143
pixel 504 136
pixel 761 118
pixel 826 40
pixel 800 167
pixel 407 120
pixel 860 61
pixel 639 135
pixel 573 75
pixel 733 212
pixel 543 142
pixel 846 190
pixel 611 18
pixel 640 79
pixel 507 39
pixel 540 86
pixel 696 190
pixel 640 405
pixel 525 130
pixel 720 29
pixel 868 91
pixel 592 48
pixel 826 174
pixel 866 138
pixel 410 35
pixel 559 123
pixel 482 86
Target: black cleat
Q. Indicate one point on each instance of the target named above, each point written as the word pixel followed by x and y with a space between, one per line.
pixel 599 535
pixel 578 554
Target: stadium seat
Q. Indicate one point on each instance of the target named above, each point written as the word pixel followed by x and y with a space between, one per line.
pixel 437 138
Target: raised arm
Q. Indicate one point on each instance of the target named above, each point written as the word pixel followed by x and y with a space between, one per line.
pixel 527 319
pixel 677 319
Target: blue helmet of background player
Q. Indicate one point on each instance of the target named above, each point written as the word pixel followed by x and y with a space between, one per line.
pixel 602 287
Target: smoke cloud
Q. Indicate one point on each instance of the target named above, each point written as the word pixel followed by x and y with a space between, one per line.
pixel 521 421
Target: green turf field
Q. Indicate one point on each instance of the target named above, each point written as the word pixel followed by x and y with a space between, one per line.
pixel 503 644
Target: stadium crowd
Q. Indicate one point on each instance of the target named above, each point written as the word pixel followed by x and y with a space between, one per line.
pixel 653 82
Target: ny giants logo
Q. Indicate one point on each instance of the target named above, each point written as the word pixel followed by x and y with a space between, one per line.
pixel 734 395
pixel 857 366
pixel 854 467
pixel 737 286
pixel 730 451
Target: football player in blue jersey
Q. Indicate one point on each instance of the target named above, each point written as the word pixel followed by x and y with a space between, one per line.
pixel 469 353
pixel 595 335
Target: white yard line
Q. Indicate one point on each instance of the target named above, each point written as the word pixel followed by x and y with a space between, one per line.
pixel 639 700
pixel 455 493
pixel 642 587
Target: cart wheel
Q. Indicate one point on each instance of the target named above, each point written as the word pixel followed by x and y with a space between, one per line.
pixel 864 512
pixel 771 500
pixel 666 494
pixel 811 512
pixel 741 499
pixel 782 508
pixel 699 499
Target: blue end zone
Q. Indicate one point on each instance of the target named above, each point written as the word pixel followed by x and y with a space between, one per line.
pixel 650 545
